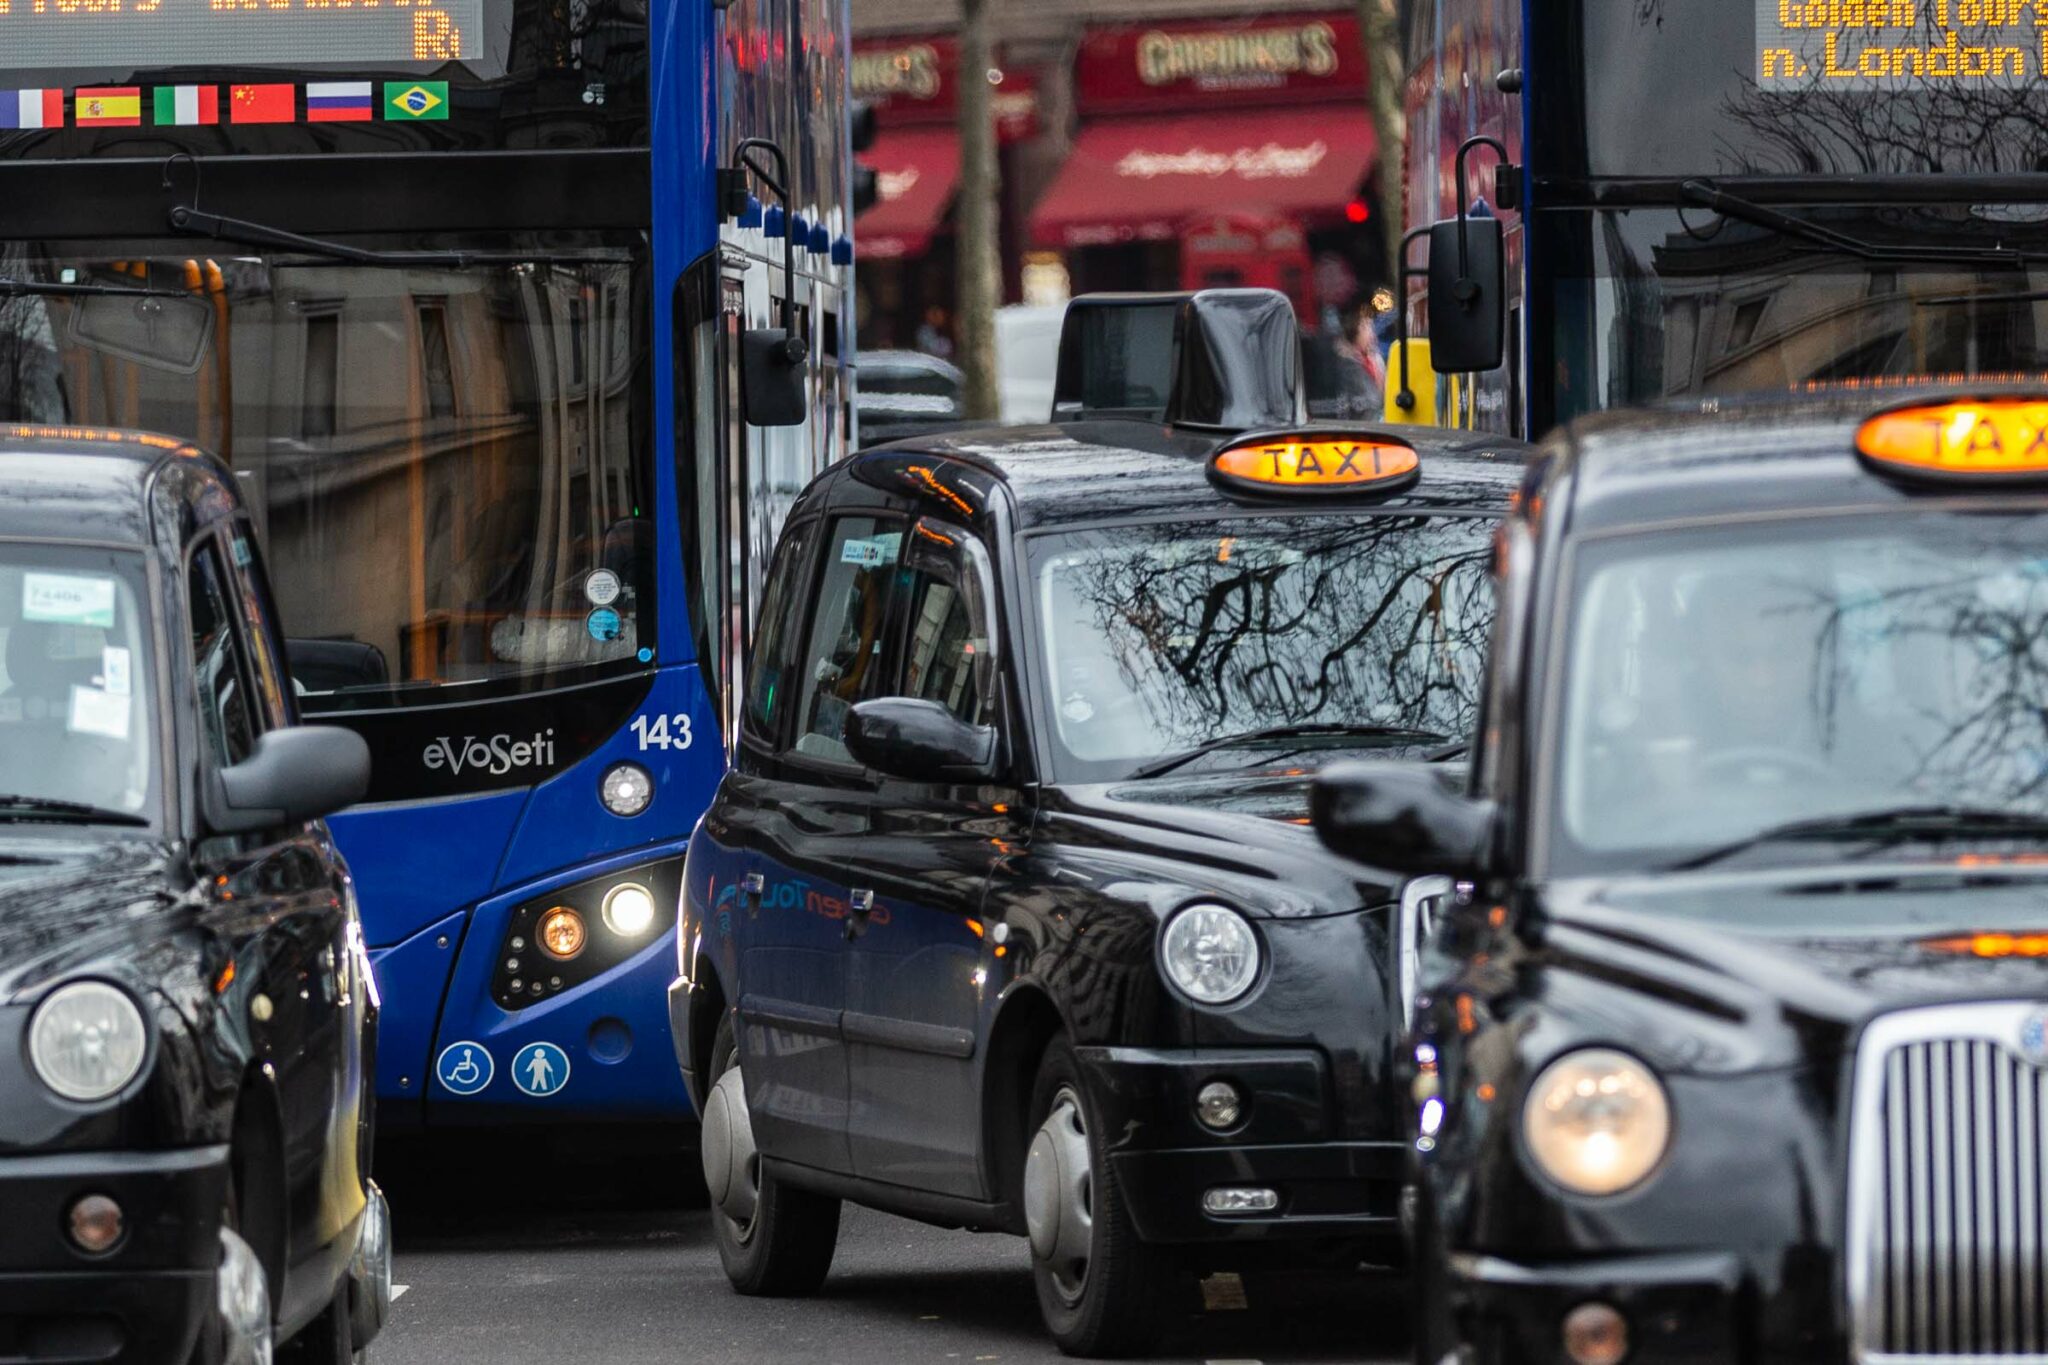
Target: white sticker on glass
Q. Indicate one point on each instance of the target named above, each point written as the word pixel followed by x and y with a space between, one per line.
pixel 68 599
pixel 96 712
pixel 114 672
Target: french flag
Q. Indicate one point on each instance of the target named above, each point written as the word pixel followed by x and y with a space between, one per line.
pixel 338 102
pixel 31 108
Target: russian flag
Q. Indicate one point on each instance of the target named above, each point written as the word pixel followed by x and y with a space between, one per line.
pixel 31 108
pixel 338 102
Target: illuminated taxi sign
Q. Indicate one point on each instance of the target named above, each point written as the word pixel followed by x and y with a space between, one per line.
pixel 1317 465
pixel 1998 439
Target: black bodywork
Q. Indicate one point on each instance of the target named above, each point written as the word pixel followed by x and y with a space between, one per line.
pixel 890 1042
pixel 243 952
pixel 1762 992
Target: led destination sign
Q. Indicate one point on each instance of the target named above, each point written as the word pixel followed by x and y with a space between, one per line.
pixel 134 34
pixel 1900 45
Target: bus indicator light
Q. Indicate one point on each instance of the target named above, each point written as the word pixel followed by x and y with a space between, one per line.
pixel 1312 465
pixel 1999 439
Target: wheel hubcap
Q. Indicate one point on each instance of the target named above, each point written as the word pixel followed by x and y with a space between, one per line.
pixel 1059 1195
pixel 732 1165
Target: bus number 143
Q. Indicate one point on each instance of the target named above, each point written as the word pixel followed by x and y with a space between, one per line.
pixel 655 732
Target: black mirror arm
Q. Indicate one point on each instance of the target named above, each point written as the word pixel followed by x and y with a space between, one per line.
pixel 1465 290
pixel 778 182
pixel 1404 397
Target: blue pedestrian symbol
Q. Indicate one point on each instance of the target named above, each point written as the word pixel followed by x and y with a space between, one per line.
pixel 464 1068
pixel 540 1069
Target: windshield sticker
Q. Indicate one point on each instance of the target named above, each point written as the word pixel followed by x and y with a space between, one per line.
pixel 68 599
pixel 602 587
pixel 603 624
pixel 114 674
pixel 95 712
pixel 241 552
pixel 870 552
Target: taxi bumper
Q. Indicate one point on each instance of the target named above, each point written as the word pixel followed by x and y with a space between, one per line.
pixel 1323 1189
pixel 1682 1308
pixel 143 1302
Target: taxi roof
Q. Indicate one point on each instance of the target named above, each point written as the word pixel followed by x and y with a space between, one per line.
pixel 1722 458
pixel 74 483
pixel 1111 469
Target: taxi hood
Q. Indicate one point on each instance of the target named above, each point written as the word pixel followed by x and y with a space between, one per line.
pixel 1242 834
pixel 1715 972
pixel 65 903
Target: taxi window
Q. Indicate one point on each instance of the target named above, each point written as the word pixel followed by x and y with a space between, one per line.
pixel 843 660
pixel 769 671
pixel 948 654
pixel 218 665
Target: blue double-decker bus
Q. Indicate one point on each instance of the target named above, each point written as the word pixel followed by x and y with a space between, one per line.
pixel 520 321
pixel 1696 200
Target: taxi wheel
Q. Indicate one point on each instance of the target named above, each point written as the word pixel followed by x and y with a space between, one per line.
pixel 1101 1290
pixel 328 1339
pixel 772 1239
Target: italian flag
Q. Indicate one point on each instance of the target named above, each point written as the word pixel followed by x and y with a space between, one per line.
pixel 184 104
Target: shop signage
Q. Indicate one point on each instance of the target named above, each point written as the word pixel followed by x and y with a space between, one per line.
pixel 914 81
pixel 1270 59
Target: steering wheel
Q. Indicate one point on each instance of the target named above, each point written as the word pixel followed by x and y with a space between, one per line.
pixel 1752 756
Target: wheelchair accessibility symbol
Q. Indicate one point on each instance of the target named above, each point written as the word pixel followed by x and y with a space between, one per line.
pixel 540 1069
pixel 464 1068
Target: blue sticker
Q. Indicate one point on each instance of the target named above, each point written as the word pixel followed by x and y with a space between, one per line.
pixel 464 1068
pixel 604 624
pixel 540 1069
pixel 646 655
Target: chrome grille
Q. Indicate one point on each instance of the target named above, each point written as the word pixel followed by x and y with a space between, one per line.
pixel 1945 1218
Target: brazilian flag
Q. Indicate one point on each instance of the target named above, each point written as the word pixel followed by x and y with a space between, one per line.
pixel 415 101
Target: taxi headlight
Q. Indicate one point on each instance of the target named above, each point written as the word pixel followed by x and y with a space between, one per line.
pixel 87 1040
pixel 1210 954
pixel 1597 1121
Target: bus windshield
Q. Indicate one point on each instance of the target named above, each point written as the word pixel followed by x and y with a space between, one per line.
pixel 448 466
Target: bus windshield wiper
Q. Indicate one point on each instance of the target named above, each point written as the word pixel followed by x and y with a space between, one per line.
pixel 1171 761
pixel 11 288
pixel 14 807
pixel 198 223
pixel 1708 195
pixel 1896 825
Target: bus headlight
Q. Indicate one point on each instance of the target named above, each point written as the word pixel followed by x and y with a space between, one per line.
pixel 628 909
pixel 1597 1121
pixel 626 789
pixel 87 1041
pixel 1210 954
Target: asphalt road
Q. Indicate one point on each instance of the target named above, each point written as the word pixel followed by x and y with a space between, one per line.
pixel 514 1265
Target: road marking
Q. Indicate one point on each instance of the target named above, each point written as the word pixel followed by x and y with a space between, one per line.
pixel 398 1291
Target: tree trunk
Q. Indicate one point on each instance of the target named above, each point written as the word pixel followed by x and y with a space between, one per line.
pixel 979 265
pixel 1386 64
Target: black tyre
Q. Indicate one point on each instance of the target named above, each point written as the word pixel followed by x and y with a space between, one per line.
pixel 328 1339
pixel 772 1239
pixel 1101 1290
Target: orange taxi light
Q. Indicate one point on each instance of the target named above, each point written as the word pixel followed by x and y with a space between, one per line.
pixel 1317 464
pixel 1991 945
pixel 1973 439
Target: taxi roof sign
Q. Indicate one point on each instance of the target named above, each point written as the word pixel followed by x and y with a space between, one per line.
pixel 1993 439
pixel 1315 464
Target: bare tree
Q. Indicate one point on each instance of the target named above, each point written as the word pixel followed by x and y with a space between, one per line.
pixel 980 272
pixel 1380 26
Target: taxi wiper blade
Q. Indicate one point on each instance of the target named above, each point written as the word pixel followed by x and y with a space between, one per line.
pixel 1895 825
pixel 198 223
pixel 16 807
pixel 1171 761
pixel 11 288
pixel 1708 195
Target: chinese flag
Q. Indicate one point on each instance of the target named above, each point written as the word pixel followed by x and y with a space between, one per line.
pixel 263 103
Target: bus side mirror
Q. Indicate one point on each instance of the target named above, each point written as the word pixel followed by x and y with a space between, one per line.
pixel 1468 301
pixel 772 375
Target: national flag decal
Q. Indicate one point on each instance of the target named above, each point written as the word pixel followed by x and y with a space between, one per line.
pixel 107 106
pixel 420 100
pixel 339 102
pixel 263 103
pixel 180 105
pixel 31 108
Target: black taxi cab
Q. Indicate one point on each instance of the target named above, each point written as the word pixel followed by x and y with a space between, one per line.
pixel 1008 915
pixel 1731 1038
pixel 185 1091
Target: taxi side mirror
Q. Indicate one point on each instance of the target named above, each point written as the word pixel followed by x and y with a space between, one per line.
pixel 920 741
pixel 1401 817
pixel 299 773
pixel 1468 301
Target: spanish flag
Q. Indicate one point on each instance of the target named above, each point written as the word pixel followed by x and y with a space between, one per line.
pixel 107 106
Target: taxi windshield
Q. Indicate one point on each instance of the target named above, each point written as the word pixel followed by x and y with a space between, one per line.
pixel 76 736
pixel 1163 638
pixel 1789 691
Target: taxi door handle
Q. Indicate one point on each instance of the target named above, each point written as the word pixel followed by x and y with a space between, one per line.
pixel 860 903
pixel 751 886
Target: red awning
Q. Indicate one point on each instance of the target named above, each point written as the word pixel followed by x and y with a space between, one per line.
pixel 1137 179
pixel 915 172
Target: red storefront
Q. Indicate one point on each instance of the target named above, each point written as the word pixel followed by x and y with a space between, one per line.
pixel 1210 153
